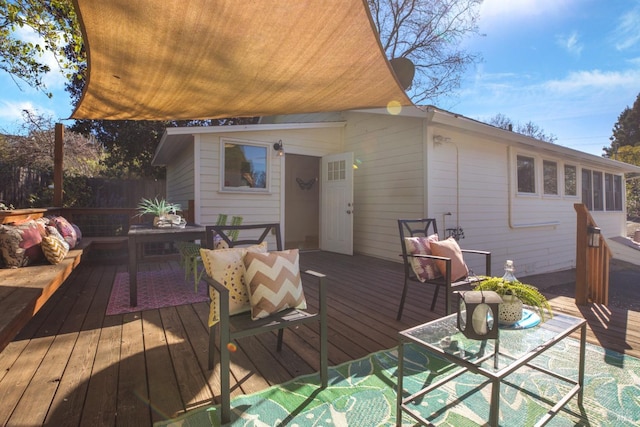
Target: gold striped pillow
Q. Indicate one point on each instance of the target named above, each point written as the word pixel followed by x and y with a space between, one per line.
pixel 273 282
pixel 54 249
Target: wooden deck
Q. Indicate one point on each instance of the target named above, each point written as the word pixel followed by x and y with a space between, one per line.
pixel 72 365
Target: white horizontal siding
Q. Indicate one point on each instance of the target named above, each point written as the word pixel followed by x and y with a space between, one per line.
pixel 180 178
pixel 389 180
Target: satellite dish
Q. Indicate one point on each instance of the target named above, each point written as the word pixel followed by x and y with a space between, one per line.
pixel 404 70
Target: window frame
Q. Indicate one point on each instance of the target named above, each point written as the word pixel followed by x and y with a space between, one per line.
pixel 224 187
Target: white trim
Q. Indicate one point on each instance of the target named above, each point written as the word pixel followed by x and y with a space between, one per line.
pixel 197 145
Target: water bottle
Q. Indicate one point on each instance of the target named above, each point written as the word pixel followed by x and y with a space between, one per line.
pixel 509 272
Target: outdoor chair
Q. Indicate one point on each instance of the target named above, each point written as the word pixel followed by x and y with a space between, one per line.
pixel 260 312
pixel 432 261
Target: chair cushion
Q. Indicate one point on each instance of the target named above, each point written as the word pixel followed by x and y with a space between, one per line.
pixel 274 283
pixel 449 248
pixel 20 243
pixel 424 268
pixel 54 246
pixel 226 266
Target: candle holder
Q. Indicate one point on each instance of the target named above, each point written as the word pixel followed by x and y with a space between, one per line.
pixel 478 314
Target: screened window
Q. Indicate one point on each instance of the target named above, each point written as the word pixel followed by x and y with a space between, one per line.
pixel 244 166
pixel 570 181
pixel 526 175
pixel 550 175
pixel 613 192
pixel 598 199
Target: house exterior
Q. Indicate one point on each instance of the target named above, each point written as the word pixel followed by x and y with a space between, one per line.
pixel 497 190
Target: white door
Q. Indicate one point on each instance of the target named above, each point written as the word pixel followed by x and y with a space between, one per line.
pixel 336 221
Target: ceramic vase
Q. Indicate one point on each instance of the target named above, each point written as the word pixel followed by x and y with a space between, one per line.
pixel 510 310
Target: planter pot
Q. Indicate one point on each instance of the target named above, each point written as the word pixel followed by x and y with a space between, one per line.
pixel 510 310
pixel 169 221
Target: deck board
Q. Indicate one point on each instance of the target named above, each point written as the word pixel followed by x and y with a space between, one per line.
pixel 73 365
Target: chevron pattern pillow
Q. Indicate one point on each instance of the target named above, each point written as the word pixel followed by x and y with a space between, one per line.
pixel 54 249
pixel 273 282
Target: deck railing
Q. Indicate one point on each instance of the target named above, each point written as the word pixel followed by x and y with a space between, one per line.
pixel 592 261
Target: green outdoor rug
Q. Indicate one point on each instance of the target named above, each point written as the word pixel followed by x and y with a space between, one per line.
pixel 362 393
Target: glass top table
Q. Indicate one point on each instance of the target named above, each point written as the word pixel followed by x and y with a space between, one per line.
pixel 494 359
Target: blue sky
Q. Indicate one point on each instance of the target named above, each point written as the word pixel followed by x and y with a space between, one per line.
pixel 569 66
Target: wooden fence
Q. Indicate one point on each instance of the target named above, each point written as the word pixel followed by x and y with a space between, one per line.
pixel 18 185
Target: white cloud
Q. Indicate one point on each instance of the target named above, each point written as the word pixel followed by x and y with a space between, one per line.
pixel 595 80
pixel 571 43
pixel 627 32
pixel 10 110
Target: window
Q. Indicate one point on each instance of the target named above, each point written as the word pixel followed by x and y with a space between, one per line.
pixel 613 192
pixel 526 175
pixel 598 200
pixel 570 181
pixel 245 166
pixel 336 171
pixel 550 175
pixel 587 190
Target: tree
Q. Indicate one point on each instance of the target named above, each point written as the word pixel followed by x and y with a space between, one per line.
pixel 529 129
pixel 626 131
pixel 55 23
pixel 429 33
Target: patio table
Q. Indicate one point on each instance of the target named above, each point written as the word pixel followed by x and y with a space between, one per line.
pixel 140 234
pixel 516 349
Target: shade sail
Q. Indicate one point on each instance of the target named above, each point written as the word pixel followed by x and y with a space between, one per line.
pixel 198 59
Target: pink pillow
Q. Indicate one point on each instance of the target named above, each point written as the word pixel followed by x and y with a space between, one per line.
pixel 449 249
pixel 424 268
pixel 66 230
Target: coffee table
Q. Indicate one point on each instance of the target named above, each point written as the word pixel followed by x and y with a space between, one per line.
pixel 495 362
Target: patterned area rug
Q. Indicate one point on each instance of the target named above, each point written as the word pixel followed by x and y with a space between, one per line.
pixel 156 289
pixel 362 393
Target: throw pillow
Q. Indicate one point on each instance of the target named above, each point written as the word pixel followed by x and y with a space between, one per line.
pixel 424 268
pixel 66 229
pixel 449 248
pixel 274 283
pixel 226 267
pixel 55 248
pixel 20 244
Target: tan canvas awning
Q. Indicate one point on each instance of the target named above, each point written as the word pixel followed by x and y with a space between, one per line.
pixel 197 59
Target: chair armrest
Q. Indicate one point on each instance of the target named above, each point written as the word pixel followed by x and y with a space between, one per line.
pixel 487 255
pixel 223 305
pixel 322 291
pixel 436 257
pixel 475 251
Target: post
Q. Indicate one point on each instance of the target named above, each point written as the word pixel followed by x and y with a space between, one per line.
pixel 581 254
pixel 58 165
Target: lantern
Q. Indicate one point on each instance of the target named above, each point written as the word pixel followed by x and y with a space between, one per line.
pixel 593 234
pixel 478 314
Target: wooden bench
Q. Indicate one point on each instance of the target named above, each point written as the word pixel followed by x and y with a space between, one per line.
pixel 23 291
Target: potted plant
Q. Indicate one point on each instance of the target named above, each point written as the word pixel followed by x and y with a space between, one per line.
pixel 165 213
pixel 514 294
